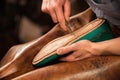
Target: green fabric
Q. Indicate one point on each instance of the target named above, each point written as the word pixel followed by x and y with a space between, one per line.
pixel 47 60
pixel 102 33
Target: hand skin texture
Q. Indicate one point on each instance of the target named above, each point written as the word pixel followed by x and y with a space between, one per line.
pixel 59 10
pixel 84 49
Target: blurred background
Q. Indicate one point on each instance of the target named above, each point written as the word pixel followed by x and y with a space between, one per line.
pixel 22 21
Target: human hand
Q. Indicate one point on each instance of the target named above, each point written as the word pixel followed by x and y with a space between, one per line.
pixel 59 10
pixel 80 50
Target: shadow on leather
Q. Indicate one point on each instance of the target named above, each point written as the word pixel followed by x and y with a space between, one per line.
pixel 18 59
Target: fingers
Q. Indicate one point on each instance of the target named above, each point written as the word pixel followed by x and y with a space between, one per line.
pixel 80 50
pixel 67 10
pixel 59 10
pixel 52 12
pixel 75 56
pixel 44 8
pixel 66 49
pixel 72 57
pixel 48 8
pixel 60 17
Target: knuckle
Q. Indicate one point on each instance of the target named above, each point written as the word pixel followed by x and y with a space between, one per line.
pixel 65 48
pixel 55 6
pixel 43 9
pixel 74 56
pixel 75 45
pixel 84 42
pixel 50 8
pixel 57 2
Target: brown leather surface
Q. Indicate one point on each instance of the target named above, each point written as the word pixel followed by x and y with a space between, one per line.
pixel 19 58
pixel 94 68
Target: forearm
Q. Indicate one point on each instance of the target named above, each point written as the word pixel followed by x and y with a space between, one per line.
pixel 109 47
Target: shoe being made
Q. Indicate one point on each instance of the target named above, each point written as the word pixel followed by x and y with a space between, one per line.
pixel 95 31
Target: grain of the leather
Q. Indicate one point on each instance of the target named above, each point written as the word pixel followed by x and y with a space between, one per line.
pixel 18 59
pixel 94 68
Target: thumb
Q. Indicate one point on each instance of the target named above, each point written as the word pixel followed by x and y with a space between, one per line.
pixel 65 50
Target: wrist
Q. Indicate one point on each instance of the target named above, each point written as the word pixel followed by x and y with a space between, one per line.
pixel 99 48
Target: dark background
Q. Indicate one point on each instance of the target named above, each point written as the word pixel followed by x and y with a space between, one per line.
pixel 11 13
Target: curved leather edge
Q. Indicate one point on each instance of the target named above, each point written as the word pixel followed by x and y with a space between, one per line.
pixel 98 33
pixel 15 62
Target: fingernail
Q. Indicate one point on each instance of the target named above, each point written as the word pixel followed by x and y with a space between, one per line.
pixel 67 18
pixel 59 51
pixel 65 27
